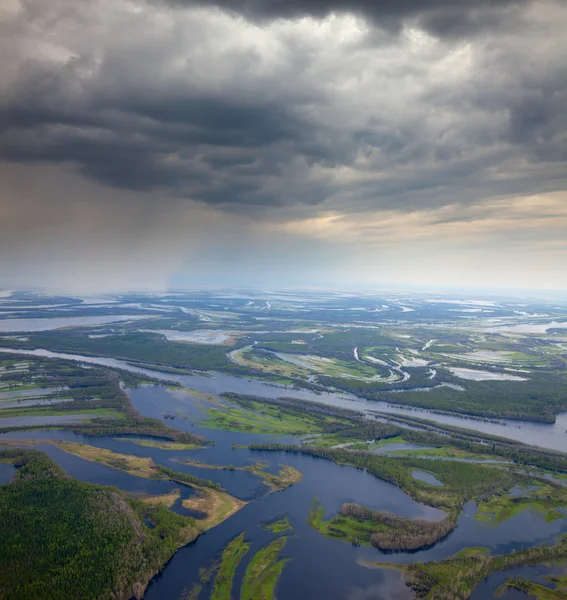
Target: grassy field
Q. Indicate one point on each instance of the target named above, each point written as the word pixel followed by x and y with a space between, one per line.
pixel 263 572
pixel 133 465
pixel 545 499
pixel 216 505
pixel 162 500
pixel 230 560
pixel 279 525
pixel 162 444
pixel 284 478
pixel 260 417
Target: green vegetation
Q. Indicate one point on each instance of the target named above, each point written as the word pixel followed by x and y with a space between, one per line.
pixel 284 478
pixel 456 578
pixel 162 445
pixel 231 557
pixel 61 538
pixel 381 529
pixel 279 525
pixel 462 481
pixel 540 592
pixel 472 552
pixel 134 346
pixel 545 498
pixel 216 505
pixel 93 391
pixel 267 416
pixel 263 572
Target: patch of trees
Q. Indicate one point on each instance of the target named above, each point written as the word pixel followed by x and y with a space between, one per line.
pixel 539 398
pixel 391 532
pixel 456 578
pixel 61 538
pixel 180 477
pixel 462 481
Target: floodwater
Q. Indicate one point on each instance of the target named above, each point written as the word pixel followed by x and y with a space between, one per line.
pixel 13 325
pixel 475 375
pixel 535 328
pixel 30 420
pixel 426 477
pixel 545 435
pixel 489 588
pixel 7 471
pixel 319 567
pixel 201 336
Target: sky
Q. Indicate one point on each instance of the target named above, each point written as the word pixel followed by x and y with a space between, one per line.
pixel 148 144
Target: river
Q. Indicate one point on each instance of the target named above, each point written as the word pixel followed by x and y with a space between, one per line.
pixel 546 435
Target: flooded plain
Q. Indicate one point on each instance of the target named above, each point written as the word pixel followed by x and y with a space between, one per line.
pixel 47 324
pixel 545 435
pixel 319 567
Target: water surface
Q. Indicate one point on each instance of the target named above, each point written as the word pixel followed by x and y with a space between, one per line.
pixel 546 435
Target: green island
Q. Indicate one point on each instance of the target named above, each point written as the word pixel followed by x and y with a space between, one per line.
pixel 381 529
pixel 541 592
pixel 91 540
pixel 259 415
pixel 457 577
pixel 286 476
pixel 260 578
pixel 263 572
pixel 231 557
pixel 278 525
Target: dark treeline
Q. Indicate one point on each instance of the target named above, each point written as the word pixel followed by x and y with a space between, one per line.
pixel 180 477
pixel 539 398
pixel 462 481
pixel 456 578
pixel 61 538
pixel 312 408
pixel 437 434
pixel 398 533
pixel 136 346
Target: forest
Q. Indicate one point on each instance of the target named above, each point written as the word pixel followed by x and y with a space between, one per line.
pixel 78 540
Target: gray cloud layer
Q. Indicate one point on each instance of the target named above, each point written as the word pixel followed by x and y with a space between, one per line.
pixel 124 114
pixel 279 110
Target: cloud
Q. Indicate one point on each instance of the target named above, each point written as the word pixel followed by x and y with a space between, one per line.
pixel 441 17
pixel 266 114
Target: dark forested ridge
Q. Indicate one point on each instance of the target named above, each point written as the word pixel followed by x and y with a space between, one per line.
pixel 61 538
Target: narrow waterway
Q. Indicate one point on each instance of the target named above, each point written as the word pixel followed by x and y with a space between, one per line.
pixel 550 436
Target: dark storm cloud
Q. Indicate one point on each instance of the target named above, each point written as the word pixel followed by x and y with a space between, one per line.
pixel 442 17
pixel 253 127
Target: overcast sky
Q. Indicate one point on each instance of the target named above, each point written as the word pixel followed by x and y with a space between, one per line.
pixel 311 142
